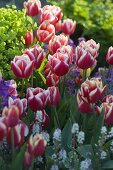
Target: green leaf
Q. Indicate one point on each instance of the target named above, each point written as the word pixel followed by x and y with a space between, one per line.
pixel 67 135
pixel 97 128
pixel 107 165
pixel 18 162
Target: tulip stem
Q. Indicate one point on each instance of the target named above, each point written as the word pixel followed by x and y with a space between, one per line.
pixel 22 84
pixel 84 75
pixel 32 79
pixel 12 143
pixel 56 117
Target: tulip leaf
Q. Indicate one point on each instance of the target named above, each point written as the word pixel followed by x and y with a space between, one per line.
pixel 108 164
pixel 18 162
pixel 97 127
pixel 67 135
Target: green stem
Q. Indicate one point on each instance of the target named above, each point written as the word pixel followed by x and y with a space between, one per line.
pixel 13 144
pixel 84 75
pixel 32 79
pixel 56 117
pixel 22 88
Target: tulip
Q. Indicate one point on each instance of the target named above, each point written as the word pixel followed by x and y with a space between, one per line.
pixel 42 118
pixel 56 42
pixel 50 13
pixel 52 80
pixel 68 26
pixel 20 103
pixel 86 54
pixel 54 96
pixel 109 56
pixel 37 98
pixel 59 63
pixel 91 91
pixel 58 26
pixel 12 115
pixel 3 128
pixel 28 159
pixel 32 7
pixel 36 54
pixel 47 69
pixel 67 49
pixel 22 66
pixel 45 32
pixel 28 38
pixel 20 132
pixel 83 105
pixel 36 145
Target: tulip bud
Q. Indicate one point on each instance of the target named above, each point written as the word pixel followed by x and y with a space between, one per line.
pixel 109 56
pixel 68 26
pixel 54 95
pixel 36 145
pixel 12 115
pixel 28 38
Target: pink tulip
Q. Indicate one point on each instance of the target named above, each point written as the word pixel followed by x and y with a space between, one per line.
pixel 67 49
pixel 20 132
pixel 52 80
pixel 36 145
pixel 37 98
pixel 50 13
pixel 28 159
pixel 86 54
pixel 109 56
pixel 57 42
pixel 59 63
pixel 36 54
pixel 12 115
pixel 91 91
pixel 54 96
pixel 45 32
pixel 68 26
pixel 29 38
pixel 58 26
pixel 83 105
pixel 22 66
pixel 32 7
pixel 3 129
pixel 20 103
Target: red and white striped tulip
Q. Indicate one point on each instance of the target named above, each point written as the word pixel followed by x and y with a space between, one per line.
pixel 109 56
pixel 36 54
pixel 3 128
pixel 107 107
pixel 54 96
pixel 68 26
pixel 20 103
pixel 45 32
pixel 59 63
pixel 37 98
pixel 57 42
pixel 50 13
pixel 20 132
pixel 32 7
pixel 36 145
pixel 58 26
pixel 52 80
pixel 86 54
pixel 28 159
pixel 29 38
pixel 83 105
pixel 22 66
pixel 12 115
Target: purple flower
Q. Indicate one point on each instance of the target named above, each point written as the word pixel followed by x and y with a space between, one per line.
pixel 7 89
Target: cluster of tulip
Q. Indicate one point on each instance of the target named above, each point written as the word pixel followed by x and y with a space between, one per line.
pixel 58 63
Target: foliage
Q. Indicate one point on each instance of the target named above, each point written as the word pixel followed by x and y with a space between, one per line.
pixel 13 26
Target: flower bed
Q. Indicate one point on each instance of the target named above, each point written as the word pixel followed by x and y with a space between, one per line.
pixel 55 115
